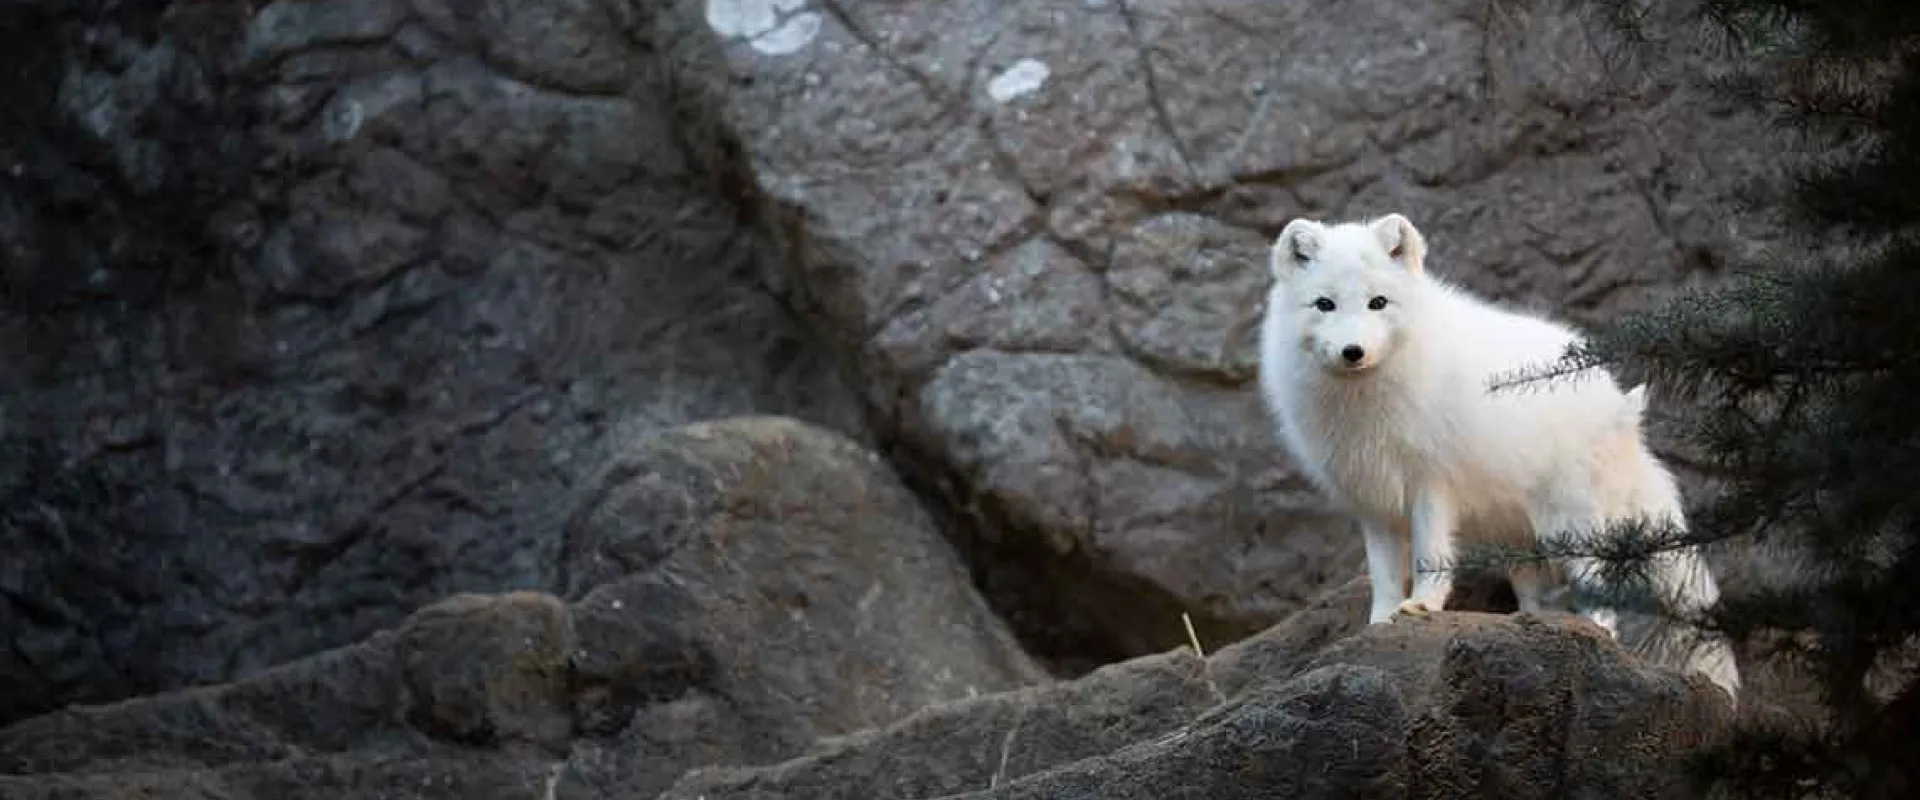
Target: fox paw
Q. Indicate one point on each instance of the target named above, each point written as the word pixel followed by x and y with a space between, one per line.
pixel 1413 608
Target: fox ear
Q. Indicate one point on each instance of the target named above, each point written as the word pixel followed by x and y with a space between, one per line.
pixel 1294 247
pixel 1404 243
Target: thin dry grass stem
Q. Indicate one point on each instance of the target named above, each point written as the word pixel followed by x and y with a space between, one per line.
pixel 1206 669
pixel 1192 637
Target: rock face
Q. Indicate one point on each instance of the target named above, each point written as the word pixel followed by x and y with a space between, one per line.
pixel 1040 229
pixel 316 313
pixel 736 619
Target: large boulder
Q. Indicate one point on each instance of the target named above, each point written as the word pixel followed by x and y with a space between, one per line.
pixel 314 313
pixel 759 585
pixel 762 584
pixel 1039 229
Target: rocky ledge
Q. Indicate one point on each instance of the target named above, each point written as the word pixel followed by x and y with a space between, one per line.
pixel 721 650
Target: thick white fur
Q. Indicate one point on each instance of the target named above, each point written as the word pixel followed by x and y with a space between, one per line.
pixel 1409 439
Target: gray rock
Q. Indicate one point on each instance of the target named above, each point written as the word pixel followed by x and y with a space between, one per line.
pixel 799 594
pixel 317 313
pixel 1335 732
pixel 1040 229
pixel 762 584
pixel 1462 705
pixel 984 742
pixel 478 775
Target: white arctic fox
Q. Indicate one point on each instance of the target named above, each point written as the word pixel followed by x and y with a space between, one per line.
pixel 1378 376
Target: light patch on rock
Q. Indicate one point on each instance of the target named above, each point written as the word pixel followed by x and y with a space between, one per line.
pixel 343 120
pixel 1024 77
pixel 798 30
pixel 773 27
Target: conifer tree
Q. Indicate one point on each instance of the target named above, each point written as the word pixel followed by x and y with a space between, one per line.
pixel 1797 388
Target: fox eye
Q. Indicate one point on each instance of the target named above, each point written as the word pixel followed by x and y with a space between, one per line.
pixel 1377 303
pixel 1324 305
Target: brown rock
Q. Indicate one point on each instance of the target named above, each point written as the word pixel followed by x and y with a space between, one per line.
pixel 348 699
pixel 983 742
pixel 1333 732
pixel 446 773
pixel 761 584
pixel 1462 705
pixel 490 670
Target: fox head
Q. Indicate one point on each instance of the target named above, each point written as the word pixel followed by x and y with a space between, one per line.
pixel 1347 288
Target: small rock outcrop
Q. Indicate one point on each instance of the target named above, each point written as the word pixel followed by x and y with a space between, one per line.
pixel 1464 705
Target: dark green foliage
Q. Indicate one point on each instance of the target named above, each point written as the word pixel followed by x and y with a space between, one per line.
pixel 1799 388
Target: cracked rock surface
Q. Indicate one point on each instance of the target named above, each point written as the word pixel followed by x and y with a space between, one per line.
pixel 1040 229
pixel 460 701
pixel 1464 705
pixel 316 313
pixel 760 584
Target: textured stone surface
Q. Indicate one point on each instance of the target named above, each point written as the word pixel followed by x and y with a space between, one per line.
pixel 1464 705
pixel 1458 705
pixel 316 313
pixel 1040 229
pixel 783 587
pixel 737 619
pixel 969 745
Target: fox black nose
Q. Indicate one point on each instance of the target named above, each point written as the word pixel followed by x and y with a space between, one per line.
pixel 1352 353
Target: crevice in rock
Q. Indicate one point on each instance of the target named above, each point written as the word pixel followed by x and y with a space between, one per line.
pixel 1052 603
pixel 1060 607
pixel 1154 96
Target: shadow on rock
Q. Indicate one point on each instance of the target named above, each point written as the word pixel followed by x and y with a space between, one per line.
pixel 767 615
